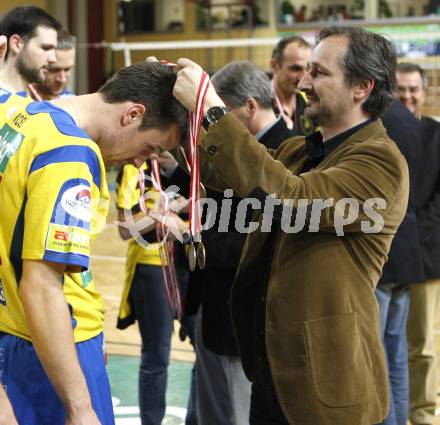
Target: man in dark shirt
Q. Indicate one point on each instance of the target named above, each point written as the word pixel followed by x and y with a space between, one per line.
pixel 223 390
pixel 425 296
pixel 404 265
pixel 321 359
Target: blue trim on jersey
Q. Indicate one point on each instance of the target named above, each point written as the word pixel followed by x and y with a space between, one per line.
pixel 62 120
pixel 60 215
pixel 4 97
pixel 23 93
pixel 66 258
pixel 66 93
pixel 70 153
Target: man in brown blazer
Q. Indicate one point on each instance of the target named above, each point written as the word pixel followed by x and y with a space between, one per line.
pixel 303 305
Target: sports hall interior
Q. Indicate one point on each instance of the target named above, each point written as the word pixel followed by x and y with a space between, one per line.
pixel 110 34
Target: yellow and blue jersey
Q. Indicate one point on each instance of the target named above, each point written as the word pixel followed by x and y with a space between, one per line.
pixel 11 103
pixel 127 198
pixel 54 199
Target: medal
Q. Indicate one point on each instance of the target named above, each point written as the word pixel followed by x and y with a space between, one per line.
pixel 201 255
pixel 192 256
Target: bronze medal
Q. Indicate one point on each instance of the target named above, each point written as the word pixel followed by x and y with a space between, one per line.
pixel 192 256
pixel 201 255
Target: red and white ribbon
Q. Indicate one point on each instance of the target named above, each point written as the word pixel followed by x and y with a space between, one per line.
pixel 166 251
pixel 195 122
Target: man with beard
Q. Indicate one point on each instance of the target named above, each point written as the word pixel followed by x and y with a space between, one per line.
pixel 58 73
pixel 32 38
pixel 303 304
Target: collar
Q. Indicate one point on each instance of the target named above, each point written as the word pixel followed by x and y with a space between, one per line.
pixel 317 150
pixel 264 130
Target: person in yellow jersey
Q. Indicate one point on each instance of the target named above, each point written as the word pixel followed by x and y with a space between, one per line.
pixel 52 180
pixel 144 296
pixel 32 38
pixel 7 416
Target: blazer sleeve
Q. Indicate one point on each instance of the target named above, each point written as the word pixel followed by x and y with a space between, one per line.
pixel 372 175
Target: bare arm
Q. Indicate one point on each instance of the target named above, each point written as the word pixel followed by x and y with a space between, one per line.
pixel 7 416
pixel 47 314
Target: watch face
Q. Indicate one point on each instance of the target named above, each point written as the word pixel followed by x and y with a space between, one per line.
pixel 215 113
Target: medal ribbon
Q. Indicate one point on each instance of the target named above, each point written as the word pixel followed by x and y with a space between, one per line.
pixel 166 252
pixel 195 122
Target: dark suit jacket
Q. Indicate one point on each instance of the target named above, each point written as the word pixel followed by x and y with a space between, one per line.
pixel 322 323
pixel 405 259
pixel 428 213
pixel 212 285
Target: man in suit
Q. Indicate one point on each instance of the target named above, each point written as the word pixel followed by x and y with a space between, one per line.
pixel 303 305
pixel 425 296
pixel 223 389
pixel 404 265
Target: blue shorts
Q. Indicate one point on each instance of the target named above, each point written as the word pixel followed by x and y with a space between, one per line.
pixel 32 395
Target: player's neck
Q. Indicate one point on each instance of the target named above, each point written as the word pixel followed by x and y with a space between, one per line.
pixel 10 79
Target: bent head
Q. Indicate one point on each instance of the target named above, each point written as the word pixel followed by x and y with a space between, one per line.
pixel 58 73
pixel 350 69
pixel 246 91
pixel 151 119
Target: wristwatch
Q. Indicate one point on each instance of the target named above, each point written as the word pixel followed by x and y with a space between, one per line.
pixel 213 115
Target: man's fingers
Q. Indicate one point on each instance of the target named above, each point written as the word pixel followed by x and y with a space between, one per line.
pixel 3 47
pixel 184 63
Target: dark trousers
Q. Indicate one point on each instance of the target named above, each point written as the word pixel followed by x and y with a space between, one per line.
pixel 265 408
pixel 149 302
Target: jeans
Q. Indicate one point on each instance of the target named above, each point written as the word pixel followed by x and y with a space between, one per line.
pixel 394 304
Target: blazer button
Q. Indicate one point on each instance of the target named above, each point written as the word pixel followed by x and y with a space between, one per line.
pixel 212 149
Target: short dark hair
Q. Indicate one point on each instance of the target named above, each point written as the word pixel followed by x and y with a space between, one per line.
pixel 24 21
pixel 369 56
pixel 409 67
pixel 278 50
pixel 66 41
pixel 241 80
pixel 151 84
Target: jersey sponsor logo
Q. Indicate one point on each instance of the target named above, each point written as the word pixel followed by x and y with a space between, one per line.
pixel 20 119
pixel 10 141
pixel 2 294
pixel 77 202
pixel 68 239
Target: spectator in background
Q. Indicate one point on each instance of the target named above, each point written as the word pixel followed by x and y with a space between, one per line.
pixel 58 73
pixel 288 65
pixel 412 84
pixel 404 265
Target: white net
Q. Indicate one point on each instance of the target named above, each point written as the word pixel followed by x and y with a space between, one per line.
pixel 419 43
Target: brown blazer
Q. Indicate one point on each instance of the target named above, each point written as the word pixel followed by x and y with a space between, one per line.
pixel 322 321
